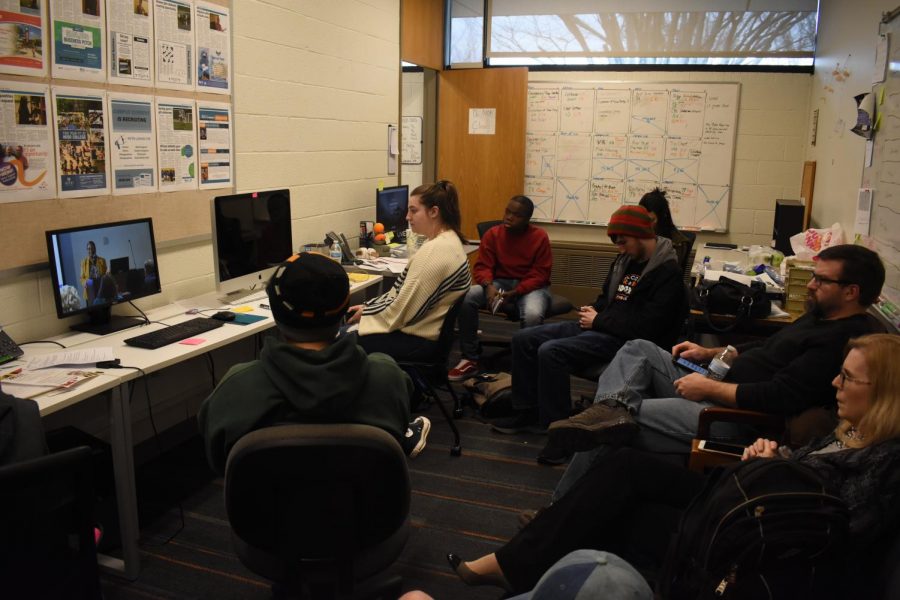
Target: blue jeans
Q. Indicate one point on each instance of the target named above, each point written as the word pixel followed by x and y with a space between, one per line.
pixel 641 377
pixel 543 359
pixel 532 308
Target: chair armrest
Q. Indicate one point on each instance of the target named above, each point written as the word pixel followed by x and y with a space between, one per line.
pixel 721 414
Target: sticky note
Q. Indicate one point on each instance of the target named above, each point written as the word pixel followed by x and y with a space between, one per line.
pixel 192 341
pixel 242 309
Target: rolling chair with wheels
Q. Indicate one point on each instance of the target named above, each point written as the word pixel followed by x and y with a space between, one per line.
pixel 430 371
pixel 321 507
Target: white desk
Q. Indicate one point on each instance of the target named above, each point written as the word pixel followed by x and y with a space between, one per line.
pixel 115 381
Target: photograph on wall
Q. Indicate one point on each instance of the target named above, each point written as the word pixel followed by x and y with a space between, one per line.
pixel 130 42
pixel 213 48
pixel 79 121
pixel 174 32
pixel 176 136
pixel 23 45
pixel 215 143
pixel 79 35
pixel 132 144
pixel 26 143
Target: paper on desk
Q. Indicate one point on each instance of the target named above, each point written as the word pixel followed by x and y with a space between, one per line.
pixel 394 265
pixel 72 357
pixel 47 378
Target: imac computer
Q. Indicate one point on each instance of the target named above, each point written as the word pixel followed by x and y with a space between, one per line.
pixel 391 204
pixel 96 266
pixel 251 236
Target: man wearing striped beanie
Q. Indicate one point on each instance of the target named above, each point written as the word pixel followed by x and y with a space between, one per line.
pixel 642 298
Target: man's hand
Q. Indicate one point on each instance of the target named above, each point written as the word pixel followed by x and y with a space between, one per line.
pixel 354 314
pixel 491 291
pixel 761 448
pixel 586 316
pixel 694 352
pixel 697 388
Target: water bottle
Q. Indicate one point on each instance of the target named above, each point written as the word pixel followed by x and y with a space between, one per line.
pixel 719 366
pixel 411 240
pixel 703 268
pixel 335 252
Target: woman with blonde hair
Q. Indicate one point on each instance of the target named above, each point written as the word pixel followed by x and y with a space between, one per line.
pixel 859 461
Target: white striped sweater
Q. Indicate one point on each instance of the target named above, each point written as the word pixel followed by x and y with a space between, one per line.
pixel 436 276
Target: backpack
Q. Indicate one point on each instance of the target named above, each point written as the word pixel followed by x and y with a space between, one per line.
pixel 491 393
pixel 764 528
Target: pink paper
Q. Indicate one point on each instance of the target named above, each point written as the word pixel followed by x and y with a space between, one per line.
pixel 192 341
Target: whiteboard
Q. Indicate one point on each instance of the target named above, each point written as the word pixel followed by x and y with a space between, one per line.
pixel 592 146
pixel 411 141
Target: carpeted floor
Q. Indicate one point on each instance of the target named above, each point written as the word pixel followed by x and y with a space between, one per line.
pixel 465 504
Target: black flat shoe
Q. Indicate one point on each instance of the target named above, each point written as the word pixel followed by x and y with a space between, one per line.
pixel 470 577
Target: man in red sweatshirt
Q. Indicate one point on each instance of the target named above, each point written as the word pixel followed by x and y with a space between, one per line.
pixel 513 268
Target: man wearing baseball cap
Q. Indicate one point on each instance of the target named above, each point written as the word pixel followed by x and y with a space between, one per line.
pixel 311 375
pixel 643 298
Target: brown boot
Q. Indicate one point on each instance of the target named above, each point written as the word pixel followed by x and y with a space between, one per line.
pixel 598 424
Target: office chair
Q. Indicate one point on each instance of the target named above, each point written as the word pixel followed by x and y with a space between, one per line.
pixel 47 547
pixel 319 507
pixel 430 371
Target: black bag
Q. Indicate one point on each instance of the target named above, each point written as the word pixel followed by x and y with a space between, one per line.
pixel 491 394
pixel 764 528
pixel 729 297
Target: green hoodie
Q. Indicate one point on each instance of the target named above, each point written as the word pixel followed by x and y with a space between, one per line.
pixel 338 384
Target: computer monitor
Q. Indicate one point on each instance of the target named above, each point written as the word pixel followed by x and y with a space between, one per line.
pixel 251 236
pixel 86 269
pixel 391 204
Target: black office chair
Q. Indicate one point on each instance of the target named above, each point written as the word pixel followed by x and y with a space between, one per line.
pixel 319 507
pixel 47 547
pixel 430 371
pixel 684 256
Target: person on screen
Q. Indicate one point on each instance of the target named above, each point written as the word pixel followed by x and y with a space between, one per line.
pixel 151 277
pixel 93 267
pixel 406 321
pixel 107 290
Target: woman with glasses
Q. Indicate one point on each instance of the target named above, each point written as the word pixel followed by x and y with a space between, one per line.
pixel 406 321
pixel 860 460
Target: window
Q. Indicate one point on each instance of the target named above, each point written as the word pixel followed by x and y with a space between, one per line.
pixel 467 33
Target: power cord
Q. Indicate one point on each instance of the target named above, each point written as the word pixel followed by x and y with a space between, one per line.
pixel 143 314
pixel 42 342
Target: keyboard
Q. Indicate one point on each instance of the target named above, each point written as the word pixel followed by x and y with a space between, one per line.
pixel 175 333
pixel 9 350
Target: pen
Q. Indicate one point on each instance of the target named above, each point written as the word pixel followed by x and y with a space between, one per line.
pixel 10 373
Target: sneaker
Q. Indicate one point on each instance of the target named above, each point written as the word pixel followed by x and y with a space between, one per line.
pixel 416 435
pixel 465 369
pixel 599 424
pixel 525 421
pixel 553 455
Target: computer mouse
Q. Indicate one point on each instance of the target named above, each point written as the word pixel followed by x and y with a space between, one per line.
pixel 224 315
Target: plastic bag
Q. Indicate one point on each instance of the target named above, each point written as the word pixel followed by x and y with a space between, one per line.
pixel 809 243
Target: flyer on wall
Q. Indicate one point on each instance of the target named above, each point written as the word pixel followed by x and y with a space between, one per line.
pixel 130 42
pixel 23 44
pixel 132 144
pixel 215 143
pixel 26 143
pixel 173 27
pixel 79 35
pixel 213 48
pixel 79 123
pixel 176 138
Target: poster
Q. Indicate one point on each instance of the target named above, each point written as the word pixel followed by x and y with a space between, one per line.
pixel 176 139
pixel 79 123
pixel 215 143
pixel 173 28
pixel 132 144
pixel 130 42
pixel 79 35
pixel 213 48
pixel 23 45
pixel 26 142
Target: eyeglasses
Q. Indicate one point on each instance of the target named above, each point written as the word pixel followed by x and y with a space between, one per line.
pixel 820 280
pixel 844 377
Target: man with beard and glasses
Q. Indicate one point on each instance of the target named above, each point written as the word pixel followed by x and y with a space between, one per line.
pixel 645 398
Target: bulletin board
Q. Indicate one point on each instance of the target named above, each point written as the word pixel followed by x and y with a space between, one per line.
pixel 593 146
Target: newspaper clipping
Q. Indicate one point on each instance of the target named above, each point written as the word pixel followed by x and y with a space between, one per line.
pixel 26 143
pixel 130 42
pixel 132 144
pixel 78 37
pixel 213 48
pixel 80 124
pixel 176 138
pixel 174 44
pixel 22 42
pixel 215 144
